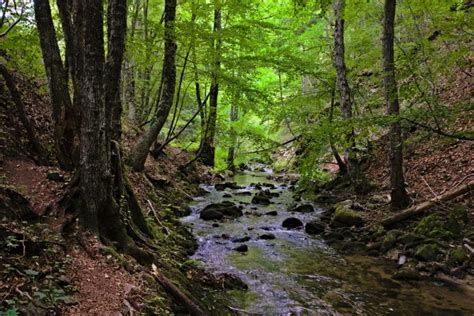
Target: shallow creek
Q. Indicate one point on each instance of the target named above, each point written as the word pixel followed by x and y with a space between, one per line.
pixel 299 274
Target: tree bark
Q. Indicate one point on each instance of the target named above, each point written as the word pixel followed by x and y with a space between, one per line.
pixel 166 100
pixel 94 165
pixel 208 147
pixel 399 196
pixel 58 86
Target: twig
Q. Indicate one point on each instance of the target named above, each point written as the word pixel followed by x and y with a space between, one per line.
pixel 435 195
pixel 157 218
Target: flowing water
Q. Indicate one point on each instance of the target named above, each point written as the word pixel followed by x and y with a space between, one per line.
pixel 298 274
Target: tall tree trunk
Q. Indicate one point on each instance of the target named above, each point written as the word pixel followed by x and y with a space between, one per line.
pixel 169 82
pixel 58 85
pixel 94 163
pixel 352 165
pixel 208 146
pixel 399 196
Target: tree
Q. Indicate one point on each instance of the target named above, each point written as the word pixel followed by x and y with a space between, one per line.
pixel 208 146
pixel 399 196
pixel 352 165
pixel 165 102
pixel 63 112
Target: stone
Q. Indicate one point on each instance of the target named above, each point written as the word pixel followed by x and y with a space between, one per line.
pixel 262 197
pixel 315 227
pixel 241 239
pixel 292 223
pixel 345 217
pixel 209 215
pixel 242 248
pixel 55 176
pixel 457 256
pixel 303 208
pixel 272 213
pixel 227 195
pixel 268 236
pixel 427 252
pixel 245 193
pixel 389 241
pixel 226 185
pixel 227 208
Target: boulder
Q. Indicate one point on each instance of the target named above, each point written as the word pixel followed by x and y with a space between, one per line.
pixel 218 210
pixel 303 208
pixel 242 248
pixel 262 197
pixel 292 223
pixel 209 215
pixel 345 217
pixel 315 227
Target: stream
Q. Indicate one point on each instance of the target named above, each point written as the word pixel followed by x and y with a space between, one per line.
pixel 299 274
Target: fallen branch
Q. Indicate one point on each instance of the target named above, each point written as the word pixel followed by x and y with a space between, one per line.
pixel 157 218
pixel 420 208
pixel 172 289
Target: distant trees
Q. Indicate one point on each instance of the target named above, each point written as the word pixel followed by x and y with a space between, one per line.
pixel 399 196
pixel 165 101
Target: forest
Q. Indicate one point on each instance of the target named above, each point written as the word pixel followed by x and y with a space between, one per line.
pixel 236 157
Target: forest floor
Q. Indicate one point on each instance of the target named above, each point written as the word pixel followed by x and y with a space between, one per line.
pixel 48 264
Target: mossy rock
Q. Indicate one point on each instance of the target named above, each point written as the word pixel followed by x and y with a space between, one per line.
pixel 344 216
pixel 433 226
pixel 457 256
pixel 390 240
pixel 315 227
pixel 427 252
pixel 456 220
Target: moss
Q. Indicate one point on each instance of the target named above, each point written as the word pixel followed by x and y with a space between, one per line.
pixel 344 216
pixel 390 240
pixel 427 252
pixel 432 226
pixel 457 256
pixel 456 220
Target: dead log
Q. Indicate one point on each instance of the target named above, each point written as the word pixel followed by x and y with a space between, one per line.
pixel 420 208
pixel 177 294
